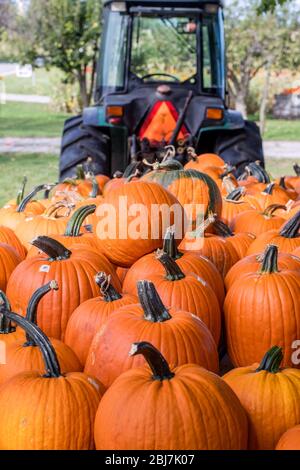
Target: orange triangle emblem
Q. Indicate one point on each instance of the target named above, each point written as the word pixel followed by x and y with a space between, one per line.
pixel 161 122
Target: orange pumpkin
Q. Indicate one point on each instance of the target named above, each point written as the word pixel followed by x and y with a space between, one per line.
pixel 8 332
pixel 263 309
pixel 24 355
pixel 287 239
pixel 258 222
pixel 188 262
pixel 9 237
pixel 9 260
pixel 58 411
pixel 121 246
pixel 263 390
pixel 191 339
pixel 200 162
pixel 91 315
pixel 273 194
pixel 171 403
pixel 290 440
pixel 233 205
pixel 240 241
pixel 73 270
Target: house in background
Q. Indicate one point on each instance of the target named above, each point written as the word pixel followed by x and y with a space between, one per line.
pixel 287 104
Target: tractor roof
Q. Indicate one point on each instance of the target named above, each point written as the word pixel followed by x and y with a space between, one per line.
pixel 169 3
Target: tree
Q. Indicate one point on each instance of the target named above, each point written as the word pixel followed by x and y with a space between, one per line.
pixel 270 5
pixel 66 33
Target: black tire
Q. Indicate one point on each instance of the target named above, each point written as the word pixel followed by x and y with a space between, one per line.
pixel 80 142
pixel 241 147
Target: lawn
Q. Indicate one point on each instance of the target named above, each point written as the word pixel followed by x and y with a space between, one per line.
pixel 30 120
pixel 278 129
pixel 39 168
pixel 42 83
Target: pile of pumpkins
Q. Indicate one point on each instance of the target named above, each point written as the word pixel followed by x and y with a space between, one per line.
pixel 116 343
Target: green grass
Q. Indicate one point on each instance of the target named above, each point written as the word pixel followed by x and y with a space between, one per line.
pixel 30 120
pixel 278 167
pixel 42 84
pixel 38 168
pixel 280 129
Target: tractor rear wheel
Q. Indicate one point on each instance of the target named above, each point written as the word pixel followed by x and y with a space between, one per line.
pixel 79 143
pixel 241 147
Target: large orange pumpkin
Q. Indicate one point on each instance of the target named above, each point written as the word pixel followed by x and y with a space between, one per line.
pixel 251 265
pixel 270 396
pixel 25 355
pixel 145 199
pixel 189 293
pixel 48 411
pixel 8 236
pixel 240 241
pixel 290 440
pixel 188 262
pixel 273 194
pixel 9 260
pixel 263 309
pixel 162 408
pixel 258 222
pixel 73 270
pixel 151 320
pixel 233 205
pixel 200 162
pixel 91 315
pixel 287 238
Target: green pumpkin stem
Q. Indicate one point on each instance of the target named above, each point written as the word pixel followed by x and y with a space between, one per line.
pixel 255 169
pixel 269 189
pixel 28 198
pixel 31 312
pixel 54 249
pixel 95 188
pixel 270 260
pixel 75 223
pixel 52 367
pixel 154 309
pixel 292 227
pixel 6 326
pixel 21 192
pixel 221 229
pixel 271 361
pixel 48 190
pixel 157 363
pixel 236 194
pixel 297 169
pixel 170 246
pixel 173 271
pixel 107 290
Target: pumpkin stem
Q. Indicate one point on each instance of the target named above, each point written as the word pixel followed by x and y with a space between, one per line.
pixel 157 363
pixel 40 339
pixel 282 183
pixel 75 223
pixel 21 191
pixel 269 211
pixel 292 227
pixel 28 198
pixel 154 309
pixel 170 246
pixel 255 169
pixel 270 260
pixel 269 189
pixel 107 290
pixel 271 361
pixel 48 190
pixel 222 229
pixel 173 271
pixel 80 174
pixel 95 188
pixel 236 194
pixel 5 324
pixel 228 169
pixel 54 249
pixel 297 169
pixel 31 312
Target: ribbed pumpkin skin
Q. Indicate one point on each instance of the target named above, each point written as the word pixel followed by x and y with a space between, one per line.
pixel 189 187
pixel 278 196
pixel 24 359
pixel 86 240
pixel 271 401
pixel 262 310
pixel 48 414
pixel 39 225
pixel 285 245
pixel 241 243
pixel 9 237
pixel 183 339
pixel 203 161
pixel 193 295
pixel 231 209
pixel 75 278
pixel 188 263
pixel 255 222
pixel 221 253
pixel 124 252
pixel 167 415
pixel 290 440
pixel 9 260
pixel 251 265
pixel 297 252
pixel 87 319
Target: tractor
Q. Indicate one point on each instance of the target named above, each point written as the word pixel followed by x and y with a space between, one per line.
pixel 161 84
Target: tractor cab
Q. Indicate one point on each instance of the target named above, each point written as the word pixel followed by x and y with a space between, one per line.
pixel 161 81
